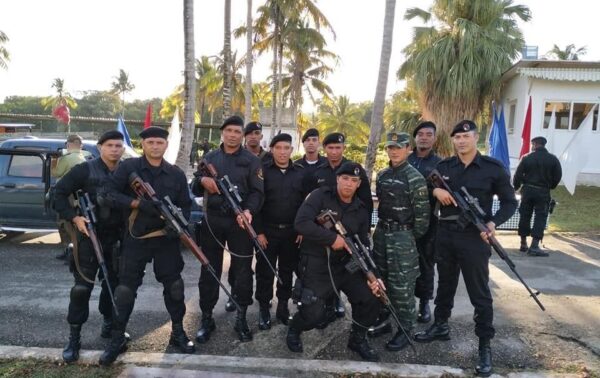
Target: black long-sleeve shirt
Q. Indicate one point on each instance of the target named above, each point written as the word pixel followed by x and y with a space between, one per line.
pixel 538 168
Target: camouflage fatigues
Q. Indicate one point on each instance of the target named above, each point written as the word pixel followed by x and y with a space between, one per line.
pixel 404 216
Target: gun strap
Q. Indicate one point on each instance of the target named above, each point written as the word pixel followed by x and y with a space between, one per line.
pixel 73 234
pixel 153 234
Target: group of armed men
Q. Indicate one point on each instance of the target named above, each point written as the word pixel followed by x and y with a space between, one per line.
pixel 282 198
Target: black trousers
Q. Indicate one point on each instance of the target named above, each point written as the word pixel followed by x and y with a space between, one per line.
pixel 316 283
pixel 426 249
pixel 466 252
pixel 226 230
pixel 79 310
pixel 282 252
pixel 533 200
pixel 168 263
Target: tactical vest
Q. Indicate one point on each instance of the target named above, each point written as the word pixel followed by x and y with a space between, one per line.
pixel 394 194
pixel 97 177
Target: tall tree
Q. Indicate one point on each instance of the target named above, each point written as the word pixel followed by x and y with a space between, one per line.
pixel 120 86
pixel 248 89
pixel 457 63
pixel 4 55
pixel 227 61
pixel 570 52
pixel 189 107
pixel 62 97
pixel 382 79
pixel 340 115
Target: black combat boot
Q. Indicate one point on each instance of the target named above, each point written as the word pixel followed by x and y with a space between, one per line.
pixel 329 316
pixel 523 247
pixel 264 317
pixel 207 326
pixel 180 339
pixel 283 312
pixel 358 343
pixel 293 340
pixel 71 351
pixel 241 325
pixel 117 345
pixel 437 331
pixel 398 342
pixel 424 315
pixel 382 324
pixel 535 249
pixel 484 366
pixel 340 310
pixel 230 306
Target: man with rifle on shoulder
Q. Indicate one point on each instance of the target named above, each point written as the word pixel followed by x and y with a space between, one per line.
pixel 86 178
pixel 148 238
pixel 460 245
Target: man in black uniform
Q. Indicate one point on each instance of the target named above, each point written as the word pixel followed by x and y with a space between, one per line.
pixel 537 174
pixel 220 226
pixel 284 193
pixel 87 177
pixel 311 159
pixel 147 239
pixel 252 136
pixel 465 249
pixel 321 250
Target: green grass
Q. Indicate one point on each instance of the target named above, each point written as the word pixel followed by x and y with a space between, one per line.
pixel 577 213
pixel 48 369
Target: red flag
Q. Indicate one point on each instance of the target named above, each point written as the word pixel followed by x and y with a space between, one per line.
pixel 148 120
pixel 526 134
pixel 62 113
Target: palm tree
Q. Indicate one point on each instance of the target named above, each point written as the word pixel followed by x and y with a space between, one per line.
pixel 402 112
pixel 4 55
pixel 62 97
pixel 382 79
pixel 227 61
pixel 457 63
pixel 340 115
pixel 569 53
pixel 120 86
pixel 248 89
pixel 189 107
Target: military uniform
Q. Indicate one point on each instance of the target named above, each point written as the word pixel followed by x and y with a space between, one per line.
pixel 310 167
pixel 403 217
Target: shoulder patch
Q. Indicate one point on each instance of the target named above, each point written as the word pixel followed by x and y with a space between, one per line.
pixel 259 173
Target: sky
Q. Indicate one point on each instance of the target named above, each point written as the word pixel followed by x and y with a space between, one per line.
pixel 87 42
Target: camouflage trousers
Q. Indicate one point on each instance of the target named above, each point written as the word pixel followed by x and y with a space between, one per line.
pixel 396 256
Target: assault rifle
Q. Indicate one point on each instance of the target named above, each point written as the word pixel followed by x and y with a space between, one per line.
pixel 86 210
pixel 361 259
pixel 234 200
pixel 175 220
pixel 472 213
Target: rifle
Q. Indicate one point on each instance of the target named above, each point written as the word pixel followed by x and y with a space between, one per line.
pixel 234 200
pixel 175 220
pixel 86 210
pixel 361 259
pixel 472 213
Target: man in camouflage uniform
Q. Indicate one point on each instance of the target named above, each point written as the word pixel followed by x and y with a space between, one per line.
pixel 403 217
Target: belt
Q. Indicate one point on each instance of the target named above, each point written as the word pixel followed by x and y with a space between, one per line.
pixel 455 226
pixel 279 226
pixel 537 186
pixel 394 226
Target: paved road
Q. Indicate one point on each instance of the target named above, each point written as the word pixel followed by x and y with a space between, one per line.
pixel 34 288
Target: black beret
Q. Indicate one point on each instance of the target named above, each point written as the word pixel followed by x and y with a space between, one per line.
pixel 233 120
pixel 334 138
pixel 540 140
pixel 282 137
pixel 310 133
pixel 154 132
pixel 252 126
pixel 349 168
pixel 111 134
pixel 423 125
pixel 463 127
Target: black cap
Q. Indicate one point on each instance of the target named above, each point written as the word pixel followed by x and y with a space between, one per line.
pixel 422 125
pixel 111 134
pixel 252 126
pixel 334 138
pixel 349 168
pixel 282 137
pixel 539 140
pixel 463 127
pixel 233 120
pixel 154 132
pixel 310 133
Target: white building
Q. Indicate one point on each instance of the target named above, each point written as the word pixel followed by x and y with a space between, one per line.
pixel 570 89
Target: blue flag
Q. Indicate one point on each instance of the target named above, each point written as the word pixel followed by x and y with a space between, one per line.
pixel 121 127
pixel 498 140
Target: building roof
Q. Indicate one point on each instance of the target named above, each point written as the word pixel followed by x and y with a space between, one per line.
pixel 561 70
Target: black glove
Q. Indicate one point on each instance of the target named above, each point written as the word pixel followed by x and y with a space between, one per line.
pixel 150 207
pixel 171 234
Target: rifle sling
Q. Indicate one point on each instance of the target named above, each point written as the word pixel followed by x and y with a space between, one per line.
pixel 73 235
pixel 153 234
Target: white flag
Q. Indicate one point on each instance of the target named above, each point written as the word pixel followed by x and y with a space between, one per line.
pixel 551 131
pixel 574 158
pixel 174 139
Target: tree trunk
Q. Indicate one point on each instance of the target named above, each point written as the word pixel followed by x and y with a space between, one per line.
pixel 274 83
pixel 227 61
pixel 379 102
pixel 187 132
pixel 248 94
pixel 279 87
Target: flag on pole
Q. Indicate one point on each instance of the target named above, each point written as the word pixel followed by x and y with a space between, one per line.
pixel 121 127
pixel 526 134
pixel 574 158
pixel 62 114
pixel 550 132
pixel 498 140
pixel 174 139
pixel 148 120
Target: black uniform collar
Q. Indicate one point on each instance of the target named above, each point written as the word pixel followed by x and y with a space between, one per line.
pixel 271 164
pixel 150 167
pixel 426 157
pixel 477 160
pixel 236 152
pixel 332 191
